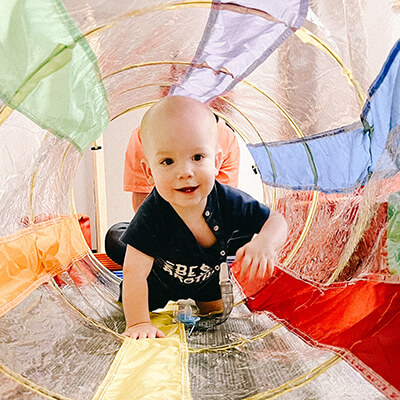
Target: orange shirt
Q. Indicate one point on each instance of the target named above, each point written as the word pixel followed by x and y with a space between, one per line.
pixel 135 181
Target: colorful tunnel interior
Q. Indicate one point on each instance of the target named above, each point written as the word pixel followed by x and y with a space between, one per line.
pixel 317 102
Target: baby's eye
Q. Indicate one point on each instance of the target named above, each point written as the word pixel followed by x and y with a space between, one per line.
pixel 167 161
pixel 198 157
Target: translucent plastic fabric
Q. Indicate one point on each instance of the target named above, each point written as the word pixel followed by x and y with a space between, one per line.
pixel 11 389
pixel 62 341
pixel 252 356
pixel 37 171
pixel 326 325
pixel 56 72
pixel 235 43
pixel 55 347
pixel 34 255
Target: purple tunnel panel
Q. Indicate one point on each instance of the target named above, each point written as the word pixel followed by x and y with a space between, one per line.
pixel 238 37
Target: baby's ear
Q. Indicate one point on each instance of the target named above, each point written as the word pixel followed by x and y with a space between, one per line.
pixel 218 161
pixel 147 171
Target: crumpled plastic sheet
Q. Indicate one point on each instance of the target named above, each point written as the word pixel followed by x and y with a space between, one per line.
pixel 10 389
pixel 47 342
pixel 252 354
pixel 60 348
pixel 36 174
pixel 94 292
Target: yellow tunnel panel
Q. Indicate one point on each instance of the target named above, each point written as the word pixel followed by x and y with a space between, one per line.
pixel 150 369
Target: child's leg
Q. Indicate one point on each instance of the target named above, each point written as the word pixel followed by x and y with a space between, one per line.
pixel 207 307
pixel 115 249
pixel 158 297
pixel 208 299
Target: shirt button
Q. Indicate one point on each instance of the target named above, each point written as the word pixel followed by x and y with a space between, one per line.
pixel 222 253
pixel 207 213
pixel 216 228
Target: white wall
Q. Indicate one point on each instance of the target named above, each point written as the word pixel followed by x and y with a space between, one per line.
pixel 396 27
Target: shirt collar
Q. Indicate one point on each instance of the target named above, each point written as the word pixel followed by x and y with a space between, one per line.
pixel 211 212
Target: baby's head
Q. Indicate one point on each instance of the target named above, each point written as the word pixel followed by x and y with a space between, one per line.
pixel 180 139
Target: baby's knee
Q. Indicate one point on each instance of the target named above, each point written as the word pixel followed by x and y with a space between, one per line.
pixel 210 307
pixel 115 248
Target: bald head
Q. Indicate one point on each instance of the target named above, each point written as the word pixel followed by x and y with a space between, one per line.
pixel 174 112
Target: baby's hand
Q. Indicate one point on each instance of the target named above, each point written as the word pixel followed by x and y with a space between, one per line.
pixel 143 330
pixel 258 257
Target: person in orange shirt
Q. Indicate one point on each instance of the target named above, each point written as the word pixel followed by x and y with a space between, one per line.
pixel 135 180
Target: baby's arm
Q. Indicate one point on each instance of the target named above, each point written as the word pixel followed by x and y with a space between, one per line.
pixel 137 267
pixel 258 255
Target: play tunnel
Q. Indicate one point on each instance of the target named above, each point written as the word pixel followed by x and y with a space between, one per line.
pixel 313 89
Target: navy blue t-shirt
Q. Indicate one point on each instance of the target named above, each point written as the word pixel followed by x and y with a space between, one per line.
pixel 181 266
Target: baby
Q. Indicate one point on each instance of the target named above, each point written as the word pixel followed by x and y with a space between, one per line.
pixel 180 235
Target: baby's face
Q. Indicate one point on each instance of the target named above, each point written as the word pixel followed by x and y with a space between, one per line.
pixel 183 161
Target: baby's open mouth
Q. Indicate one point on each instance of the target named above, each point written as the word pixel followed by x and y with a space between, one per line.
pixel 188 189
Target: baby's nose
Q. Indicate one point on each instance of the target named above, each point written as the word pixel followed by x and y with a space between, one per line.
pixel 185 171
